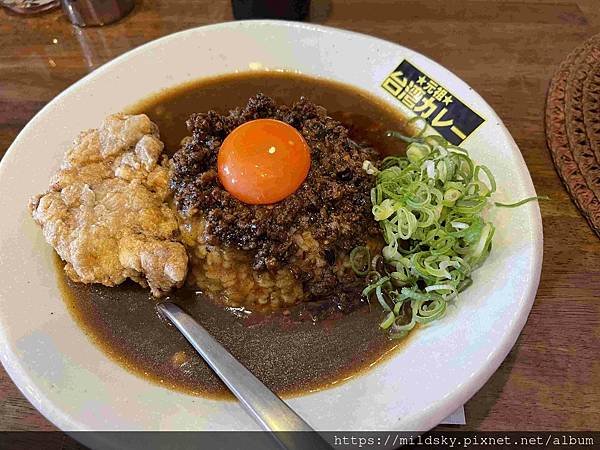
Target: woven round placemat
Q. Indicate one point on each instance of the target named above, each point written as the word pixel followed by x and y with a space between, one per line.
pixel 573 127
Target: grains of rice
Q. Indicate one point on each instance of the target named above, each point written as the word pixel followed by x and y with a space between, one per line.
pixel 226 274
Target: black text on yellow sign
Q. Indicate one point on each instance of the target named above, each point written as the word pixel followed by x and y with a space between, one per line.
pixel 454 120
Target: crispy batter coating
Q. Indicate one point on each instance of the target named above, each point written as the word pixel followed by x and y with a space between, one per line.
pixel 106 212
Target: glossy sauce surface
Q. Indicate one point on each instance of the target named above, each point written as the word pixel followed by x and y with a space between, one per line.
pixel 290 352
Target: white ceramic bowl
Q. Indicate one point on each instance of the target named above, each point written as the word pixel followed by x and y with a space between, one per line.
pixel 77 387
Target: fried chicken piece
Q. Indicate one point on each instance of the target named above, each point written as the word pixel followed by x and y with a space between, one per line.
pixel 107 213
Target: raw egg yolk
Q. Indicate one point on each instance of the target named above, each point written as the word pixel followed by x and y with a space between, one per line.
pixel 263 161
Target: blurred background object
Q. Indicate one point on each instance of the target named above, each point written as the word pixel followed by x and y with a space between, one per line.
pixel 85 13
pixel 30 6
pixel 270 9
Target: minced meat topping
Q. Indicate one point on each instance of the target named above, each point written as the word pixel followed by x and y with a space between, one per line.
pixel 333 203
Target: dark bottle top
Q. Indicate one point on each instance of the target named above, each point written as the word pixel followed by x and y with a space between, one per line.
pixel 270 9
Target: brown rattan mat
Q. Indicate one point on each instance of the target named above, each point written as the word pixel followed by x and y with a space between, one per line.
pixel 573 127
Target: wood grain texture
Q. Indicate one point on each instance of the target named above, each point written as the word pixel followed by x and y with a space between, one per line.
pixel 507 51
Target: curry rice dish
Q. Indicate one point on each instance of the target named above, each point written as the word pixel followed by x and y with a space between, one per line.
pixel 294 250
pixel 124 205
pixel 261 221
pixel 109 215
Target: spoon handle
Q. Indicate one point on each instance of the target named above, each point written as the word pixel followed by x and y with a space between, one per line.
pixel 271 413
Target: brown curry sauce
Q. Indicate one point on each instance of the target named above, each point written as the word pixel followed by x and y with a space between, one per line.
pixel 292 354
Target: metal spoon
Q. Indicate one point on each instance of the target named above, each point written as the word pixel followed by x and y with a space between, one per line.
pixel 271 413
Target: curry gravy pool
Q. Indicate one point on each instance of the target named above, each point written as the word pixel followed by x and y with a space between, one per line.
pixel 290 352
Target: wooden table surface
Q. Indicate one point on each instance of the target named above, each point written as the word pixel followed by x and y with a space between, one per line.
pixel 507 51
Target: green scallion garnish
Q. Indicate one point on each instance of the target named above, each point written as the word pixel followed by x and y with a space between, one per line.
pixel 429 205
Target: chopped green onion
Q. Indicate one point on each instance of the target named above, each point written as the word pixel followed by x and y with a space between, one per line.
pixel 400 136
pixel 450 196
pixel 360 259
pixel 379 295
pixel 384 210
pixel 489 175
pixel 429 205
pixel 388 321
pixel 522 202
pixel 416 151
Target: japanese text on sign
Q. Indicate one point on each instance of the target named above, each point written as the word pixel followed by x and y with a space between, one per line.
pixel 454 120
